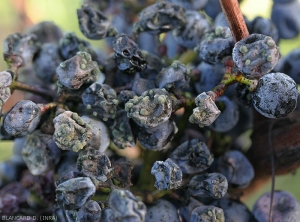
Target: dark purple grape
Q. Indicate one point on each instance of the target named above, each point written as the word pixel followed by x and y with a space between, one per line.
pixel 215 45
pixel 167 175
pixel 212 8
pixel 160 17
pixel 162 211
pixel 207 214
pixel 9 204
pixel 190 4
pixel 90 212
pixel 67 163
pixel 141 85
pixel 191 33
pixel 74 193
pixel 78 70
pixel 128 56
pixel 192 156
pixel 255 55
pixel 208 185
pixel 107 215
pixel 276 95
pixel 71 132
pixel 244 95
pixel 285 207
pixel 40 153
pixel 94 164
pixel 23 118
pixel 286 18
pixel 126 207
pixel 151 109
pixel 229 115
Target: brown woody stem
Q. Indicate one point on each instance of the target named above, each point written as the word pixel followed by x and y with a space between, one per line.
pixel 235 19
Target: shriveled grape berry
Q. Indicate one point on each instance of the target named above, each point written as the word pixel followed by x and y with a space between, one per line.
pixel 74 193
pixel 71 132
pixel 90 212
pixel 126 207
pixel 206 111
pixel 167 175
pixel 160 17
pixel 151 109
pixel 275 96
pixel 207 214
pixel 76 71
pixel 5 83
pixel 255 55
pixel 208 185
pixel 192 156
pixel 94 164
pixel 163 211
pixel 94 24
pixel 23 118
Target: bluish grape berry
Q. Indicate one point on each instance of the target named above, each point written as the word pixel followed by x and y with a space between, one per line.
pixel 126 207
pixel 157 138
pixel 76 71
pixel 167 175
pixel 107 215
pixel 207 214
pixel 71 132
pixel 276 95
pixel 94 164
pixel 94 24
pixel 163 211
pixel 206 111
pixel 192 156
pixel 160 17
pixel 141 85
pixel 213 185
pixel 176 76
pixel 190 4
pixel 128 56
pixel 40 153
pixel 74 193
pixel 255 55
pixel 101 101
pixel 215 45
pixel 190 35
pixel 229 115
pixel 23 118
pixel 285 207
pixel 186 211
pixel 90 212
pixel 5 83
pixel 151 109
pixel 212 8
pixel 236 168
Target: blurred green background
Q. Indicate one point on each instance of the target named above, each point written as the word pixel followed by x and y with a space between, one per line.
pixel 16 15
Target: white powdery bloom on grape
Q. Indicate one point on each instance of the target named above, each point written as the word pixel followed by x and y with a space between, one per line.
pixel 206 111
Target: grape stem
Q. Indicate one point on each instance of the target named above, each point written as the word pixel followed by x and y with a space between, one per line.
pixel 235 19
pixel 32 89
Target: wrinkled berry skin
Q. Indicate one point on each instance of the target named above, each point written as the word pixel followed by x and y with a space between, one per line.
pixel 255 55
pixel 207 214
pixel 23 118
pixel 127 54
pixel 160 17
pixel 94 24
pixel 90 212
pixel 126 206
pixel 276 95
pixel 5 82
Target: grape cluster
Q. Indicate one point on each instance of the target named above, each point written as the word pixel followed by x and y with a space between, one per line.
pixel 174 88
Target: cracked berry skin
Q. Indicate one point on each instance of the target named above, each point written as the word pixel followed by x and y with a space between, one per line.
pixel 276 95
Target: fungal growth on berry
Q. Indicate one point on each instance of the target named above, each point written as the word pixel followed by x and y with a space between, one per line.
pixel 207 213
pixel 128 56
pixel 126 207
pixel 5 83
pixel 94 24
pixel 74 193
pixel 40 153
pixel 100 100
pixel 151 109
pixel 167 175
pixel 276 95
pixel 160 17
pixel 71 132
pixel 255 55
pixel 23 118
pixel 206 111
pixel 213 185
pixel 175 76
pixel 94 164
pixel 192 156
pixel 191 33
pixel 80 69
pixel 215 45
